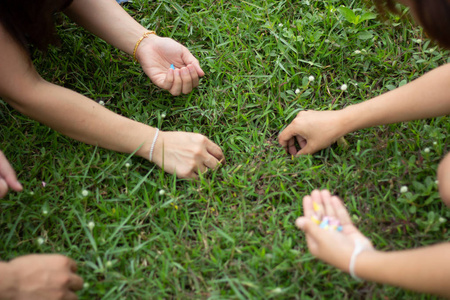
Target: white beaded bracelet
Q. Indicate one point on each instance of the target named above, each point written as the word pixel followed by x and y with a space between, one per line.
pixel 153 144
pixel 356 251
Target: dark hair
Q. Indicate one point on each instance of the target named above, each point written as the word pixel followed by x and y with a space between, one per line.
pixel 32 21
pixel 433 15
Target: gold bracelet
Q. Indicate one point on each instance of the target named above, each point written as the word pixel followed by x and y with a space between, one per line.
pixel 139 42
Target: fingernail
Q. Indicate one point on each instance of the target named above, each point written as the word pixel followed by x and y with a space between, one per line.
pixel 300 222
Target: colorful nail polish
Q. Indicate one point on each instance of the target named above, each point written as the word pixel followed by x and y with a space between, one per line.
pixel 172 67
pixel 316 207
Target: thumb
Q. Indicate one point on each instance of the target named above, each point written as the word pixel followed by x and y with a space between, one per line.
pixel 8 174
pixel 309 227
pixel 286 135
pixel 308 149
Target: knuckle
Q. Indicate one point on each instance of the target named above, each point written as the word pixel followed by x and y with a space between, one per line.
pixel 200 139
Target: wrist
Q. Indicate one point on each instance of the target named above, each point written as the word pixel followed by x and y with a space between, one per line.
pixel 351 119
pixel 146 42
pixel 367 262
pixel 158 149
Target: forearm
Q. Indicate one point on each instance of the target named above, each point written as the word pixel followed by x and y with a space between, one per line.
pixel 84 120
pixel 424 269
pixel 425 97
pixel 107 20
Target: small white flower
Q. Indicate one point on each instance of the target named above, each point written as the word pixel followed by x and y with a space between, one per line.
pixel 418 41
pixel 85 193
pixel 91 225
pixel 127 165
pixel 311 78
pixel 343 87
pixel 163 115
pixel 31 193
pixel 297 91
pixel 426 150
pixel 434 143
pixel 280 25
pixel 277 290
pixel 162 192
pixel 45 212
pixel 436 181
pixel 403 189
pixel 442 220
pixel 40 240
pixel 109 264
pixel 357 52
pixel 101 103
pixel 86 285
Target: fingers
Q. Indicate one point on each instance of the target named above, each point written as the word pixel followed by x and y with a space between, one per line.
pixel 326 200
pixel 75 283
pixel 190 59
pixel 308 209
pixel 286 137
pixel 214 156
pixel 214 150
pixel 182 80
pixel 70 296
pixel 211 162
pixel 194 76
pixel 3 188
pixel 301 141
pixel 8 177
pixel 72 265
pixel 341 212
pixel 168 81
pixel 186 80
pixel 310 228
pixel 177 85
pixel 291 148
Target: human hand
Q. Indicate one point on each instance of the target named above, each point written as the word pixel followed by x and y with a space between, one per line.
pixel 313 130
pixel 8 177
pixel 156 54
pixel 45 276
pixel 331 246
pixel 186 154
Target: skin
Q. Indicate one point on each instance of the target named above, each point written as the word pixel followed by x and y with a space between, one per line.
pixel 8 178
pixel 40 277
pixel 186 154
pixel 80 118
pixel 425 97
pixel 425 269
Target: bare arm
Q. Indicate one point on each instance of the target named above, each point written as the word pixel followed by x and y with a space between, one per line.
pixel 46 277
pixel 424 269
pixel 64 110
pixel 83 119
pixel 425 97
pixel 107 20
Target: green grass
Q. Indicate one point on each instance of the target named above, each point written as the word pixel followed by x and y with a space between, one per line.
pixel 230 234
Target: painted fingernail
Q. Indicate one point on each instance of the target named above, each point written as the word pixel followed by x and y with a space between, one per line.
pixel 172 67
pixel 316 206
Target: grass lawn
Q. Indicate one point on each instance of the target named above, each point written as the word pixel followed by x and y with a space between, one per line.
pixel 230 234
